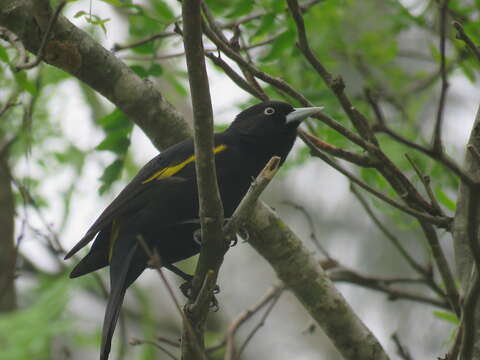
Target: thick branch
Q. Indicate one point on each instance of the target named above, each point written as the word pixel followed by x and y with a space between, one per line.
pixel 465 235
pixel 75 52
pixel 300 272
pixel 8 253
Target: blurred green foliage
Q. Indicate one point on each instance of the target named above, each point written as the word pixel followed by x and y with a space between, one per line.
pixel 29 333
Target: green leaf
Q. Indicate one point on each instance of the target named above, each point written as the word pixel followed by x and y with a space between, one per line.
pixel 115 142
pixel 444 199
pixel 4 55
pixel 155 70
pixel 139 70
pixel 114 121
pixel 24 83
pixel 284 41
pixel 163 10
pixel 447 316
pixel 241 7
pixel 266 25
pixel 24 334
pixel 110 175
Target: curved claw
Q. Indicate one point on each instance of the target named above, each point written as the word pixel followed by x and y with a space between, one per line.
pixel 186 289
pixel 214 304
pixel 197 236
pixel 244 234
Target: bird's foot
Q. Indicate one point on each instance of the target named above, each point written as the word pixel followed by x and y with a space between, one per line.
pixel 186 289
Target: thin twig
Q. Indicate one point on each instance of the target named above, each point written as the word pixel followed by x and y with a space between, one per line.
pixel 341 274
pixel 119 47
pixel 357 159
pixel 426 184
pixel 393 239
pixel 311 224
pixel 135 342
pixel 442 265
pixel 232 54
pixel 271 294
pixel 439 221
pixel 46 35
pixel 246 206
pixel 463 36
pixel 154 260
pixel 335 84
pixel 441 158
pixel 236 78
pixel 437 146
pixel 259 325
pixel 402 351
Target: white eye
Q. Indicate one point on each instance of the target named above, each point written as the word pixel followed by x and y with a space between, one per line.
pixel 269 111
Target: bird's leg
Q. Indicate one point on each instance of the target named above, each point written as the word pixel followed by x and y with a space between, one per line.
pixel 177 271
pixel 186 287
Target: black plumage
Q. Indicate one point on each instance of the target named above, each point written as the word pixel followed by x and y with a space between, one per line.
pixel 161 203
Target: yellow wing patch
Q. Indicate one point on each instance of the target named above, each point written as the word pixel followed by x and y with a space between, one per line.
pixel 172 170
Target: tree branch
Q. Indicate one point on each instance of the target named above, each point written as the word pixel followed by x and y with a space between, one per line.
pixel 75 52
pixel 467 253
pixel 463 36
pixel 437 132
pixel 46 35
pixel 210 204
pixel 301 273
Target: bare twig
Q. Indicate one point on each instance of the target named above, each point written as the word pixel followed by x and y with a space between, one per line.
pixel 175 343
pixel 437 132
pixel 442 265
pixel 135 342
pixel 259 324
pixel 46 35
pixel 426 183
pixel 463 36
pixel 358 159
pixel 17 44
pixel 441 158
pixel 335 84
pixel 402 351
pixel 393 239
pixel 232 54
pixel 272 294
pixel 311 224
pixel 154 260
pixel 163 35
pixel 236 78
pixel 245 208
pixel 439 221
pixel 341 274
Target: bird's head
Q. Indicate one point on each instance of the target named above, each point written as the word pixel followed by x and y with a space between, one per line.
pixel 271 118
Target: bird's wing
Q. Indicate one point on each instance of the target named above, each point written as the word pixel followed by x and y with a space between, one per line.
pixel 161 168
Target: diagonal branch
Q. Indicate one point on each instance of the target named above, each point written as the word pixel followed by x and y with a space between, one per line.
pixel 462 35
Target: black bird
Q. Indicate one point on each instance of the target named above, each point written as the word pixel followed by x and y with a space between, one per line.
pixel 161 203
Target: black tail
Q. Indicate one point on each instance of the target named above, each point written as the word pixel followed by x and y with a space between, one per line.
pixel 123 272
